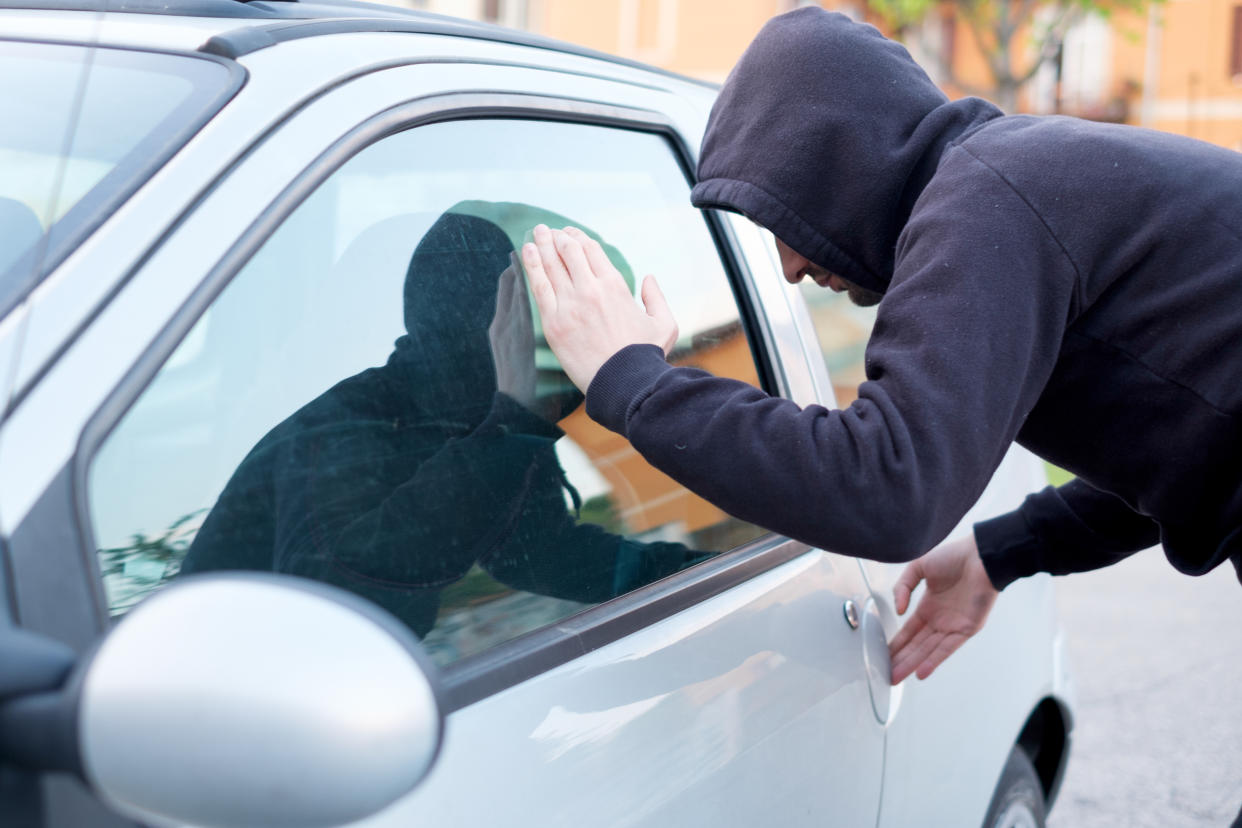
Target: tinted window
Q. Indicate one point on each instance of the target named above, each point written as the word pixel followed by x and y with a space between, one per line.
pixel 370 402
pixel 78 125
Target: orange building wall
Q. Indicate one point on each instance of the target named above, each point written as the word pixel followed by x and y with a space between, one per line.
pixel 1187 56
pixel 1192 92
pixel 700 38
pixel 1129 48
pixel 1195 95
pixel 968 63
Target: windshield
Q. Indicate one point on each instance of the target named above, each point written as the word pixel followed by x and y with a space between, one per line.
pixel 82 128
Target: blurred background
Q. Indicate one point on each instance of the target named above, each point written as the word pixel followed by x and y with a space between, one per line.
pixel 1173 65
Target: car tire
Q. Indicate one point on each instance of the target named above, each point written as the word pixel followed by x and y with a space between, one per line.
pixel 1019 798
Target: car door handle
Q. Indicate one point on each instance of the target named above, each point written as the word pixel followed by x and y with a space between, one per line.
pixel 850 610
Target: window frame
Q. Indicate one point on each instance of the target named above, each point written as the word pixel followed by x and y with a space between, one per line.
pixel 1235 44
pixel 475 677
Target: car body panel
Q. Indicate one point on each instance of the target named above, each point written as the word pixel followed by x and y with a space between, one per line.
pixel 1002 690
pixel 735 680
pixel 141 31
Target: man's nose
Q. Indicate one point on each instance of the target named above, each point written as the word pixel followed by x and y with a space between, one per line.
pixel 794 271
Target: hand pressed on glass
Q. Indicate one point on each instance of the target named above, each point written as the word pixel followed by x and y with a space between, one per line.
pixel 588 313
pixel 512 339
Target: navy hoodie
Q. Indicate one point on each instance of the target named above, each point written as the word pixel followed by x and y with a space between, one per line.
pixel 1071 285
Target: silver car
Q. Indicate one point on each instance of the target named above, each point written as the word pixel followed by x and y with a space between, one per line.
pixel 276 401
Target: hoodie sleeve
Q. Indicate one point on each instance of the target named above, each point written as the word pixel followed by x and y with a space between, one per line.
pixel 1073 528
pixel 965 340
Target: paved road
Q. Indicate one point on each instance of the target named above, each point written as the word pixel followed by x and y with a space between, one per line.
pixel 1157 658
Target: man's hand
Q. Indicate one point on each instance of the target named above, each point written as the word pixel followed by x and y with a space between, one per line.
pixel 958 599
pixel 512 339
pixel 587 310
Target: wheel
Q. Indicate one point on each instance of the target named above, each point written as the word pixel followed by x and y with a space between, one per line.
pixel 1019 798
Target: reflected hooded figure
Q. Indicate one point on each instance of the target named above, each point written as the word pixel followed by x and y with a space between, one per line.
pixel 397 480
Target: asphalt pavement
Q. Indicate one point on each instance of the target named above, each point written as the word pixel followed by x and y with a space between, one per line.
pixel 1157 660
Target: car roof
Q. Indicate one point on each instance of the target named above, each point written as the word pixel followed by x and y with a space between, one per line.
pixel 234 28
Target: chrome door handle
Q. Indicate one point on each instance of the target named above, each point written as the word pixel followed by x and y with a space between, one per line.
pixel 851 613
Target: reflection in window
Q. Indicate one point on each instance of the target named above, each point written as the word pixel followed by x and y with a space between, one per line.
pixel 70 139
pixel 370 401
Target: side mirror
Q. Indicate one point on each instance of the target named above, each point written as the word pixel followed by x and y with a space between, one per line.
pixel 242 700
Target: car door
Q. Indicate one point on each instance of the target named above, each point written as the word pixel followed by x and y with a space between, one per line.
pixel 614 649
pixel 969 714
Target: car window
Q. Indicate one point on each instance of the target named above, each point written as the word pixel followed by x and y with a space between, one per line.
pixel 78 125
pixel 370 401
pixel 842 329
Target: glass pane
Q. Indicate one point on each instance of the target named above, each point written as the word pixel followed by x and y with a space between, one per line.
pixel 842 329
pixel 371 403
pixel 78 122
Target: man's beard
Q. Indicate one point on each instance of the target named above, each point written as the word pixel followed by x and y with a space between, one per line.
pixel 861 296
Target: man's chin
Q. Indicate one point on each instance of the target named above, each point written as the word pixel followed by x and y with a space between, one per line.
pixel 862 297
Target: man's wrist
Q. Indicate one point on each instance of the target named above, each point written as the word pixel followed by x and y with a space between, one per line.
pixel 1008 548
pixel 622 382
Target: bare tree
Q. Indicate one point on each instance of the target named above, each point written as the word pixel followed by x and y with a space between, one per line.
pixel 1014 37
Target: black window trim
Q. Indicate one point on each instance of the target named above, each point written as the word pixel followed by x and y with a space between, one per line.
pixel 100 203
pixel 498 668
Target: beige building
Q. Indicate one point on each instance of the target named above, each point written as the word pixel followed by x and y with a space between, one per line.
pixel 1192 70
pixel 1177 67
pixel 701 38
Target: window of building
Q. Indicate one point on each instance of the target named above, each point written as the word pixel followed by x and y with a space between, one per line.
pixel 1235 46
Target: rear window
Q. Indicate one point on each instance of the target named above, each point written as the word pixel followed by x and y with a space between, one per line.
pixel 82 128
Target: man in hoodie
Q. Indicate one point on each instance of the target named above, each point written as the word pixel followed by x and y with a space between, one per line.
pixel 1074 286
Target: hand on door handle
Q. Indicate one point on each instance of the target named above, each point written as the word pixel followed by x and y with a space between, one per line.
pixel 958 599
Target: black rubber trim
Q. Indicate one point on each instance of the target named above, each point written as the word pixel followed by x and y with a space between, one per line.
pixel 253 38
pixel 39 731
pixel 21 799
pixel 122 182
pixel 772 377
pixel 501 667
pixel 57 582
pixel 33 663
pixel 8 598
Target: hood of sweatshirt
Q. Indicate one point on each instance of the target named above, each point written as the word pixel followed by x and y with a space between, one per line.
pixel 825 133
